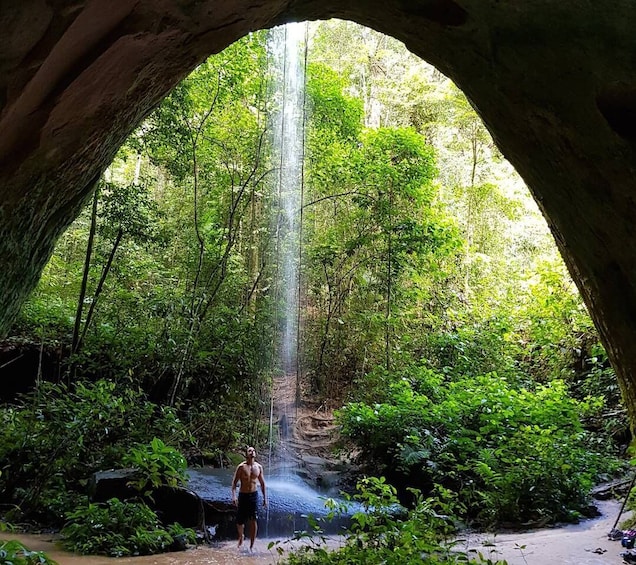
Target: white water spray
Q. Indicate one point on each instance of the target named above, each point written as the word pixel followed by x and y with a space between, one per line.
pixel 288 69
pixel 288 151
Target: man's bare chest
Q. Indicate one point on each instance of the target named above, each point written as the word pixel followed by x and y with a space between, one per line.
pixel 250 472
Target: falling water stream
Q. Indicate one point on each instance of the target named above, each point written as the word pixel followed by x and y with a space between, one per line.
pixel 288 153
pixel 287 125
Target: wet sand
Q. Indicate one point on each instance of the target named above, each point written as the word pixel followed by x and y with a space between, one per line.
pixel 225 553
pixel 586 543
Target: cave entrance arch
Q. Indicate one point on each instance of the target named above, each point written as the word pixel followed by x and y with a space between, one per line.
pixel 553 82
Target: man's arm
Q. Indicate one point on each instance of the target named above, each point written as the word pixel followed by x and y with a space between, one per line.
pixel 235 481
pixel 262 481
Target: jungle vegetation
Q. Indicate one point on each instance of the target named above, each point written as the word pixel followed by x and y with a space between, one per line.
pixel 438 319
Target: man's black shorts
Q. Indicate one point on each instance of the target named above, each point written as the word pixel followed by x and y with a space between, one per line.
pixel 247 507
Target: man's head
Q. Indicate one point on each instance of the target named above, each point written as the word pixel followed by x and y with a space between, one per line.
pixel 250 453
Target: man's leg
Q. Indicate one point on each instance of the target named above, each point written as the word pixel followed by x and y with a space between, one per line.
pixel 252 528
pixel 239 529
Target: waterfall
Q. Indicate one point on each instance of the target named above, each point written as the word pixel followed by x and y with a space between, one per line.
pixel 288 69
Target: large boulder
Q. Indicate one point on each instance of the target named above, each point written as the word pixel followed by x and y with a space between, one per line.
pixel 172 504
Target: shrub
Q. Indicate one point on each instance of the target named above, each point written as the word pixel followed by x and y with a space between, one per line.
pixel 156 464
pixel 118 529
pixel 57 436
pixel 131 528
pixel 512 454
pixel 384 533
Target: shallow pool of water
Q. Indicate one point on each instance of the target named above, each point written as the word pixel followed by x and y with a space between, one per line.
pixel 290 501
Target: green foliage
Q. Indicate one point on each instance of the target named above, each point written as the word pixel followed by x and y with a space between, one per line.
pixel 129 208
pixel 156 464
pixel 118 529
pixel 511 454
pixel 217 433
pixel 377 237
pixel 186 206
pixel 475 348
pixel 420 279
pixel 333 113
pixel 388 534
pixel 554 324
pixel 57 436
pixel 13 552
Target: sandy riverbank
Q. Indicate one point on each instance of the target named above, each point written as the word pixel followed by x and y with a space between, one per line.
pixel 586 543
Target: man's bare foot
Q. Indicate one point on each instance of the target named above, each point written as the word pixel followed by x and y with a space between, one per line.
pixel 240 541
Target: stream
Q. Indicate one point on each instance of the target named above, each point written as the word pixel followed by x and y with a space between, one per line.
pixel 585 543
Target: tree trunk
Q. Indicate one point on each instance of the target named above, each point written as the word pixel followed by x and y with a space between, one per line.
pixel 99 288
pixel 87 267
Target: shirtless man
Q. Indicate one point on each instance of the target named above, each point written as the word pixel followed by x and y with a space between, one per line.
pixel 248 474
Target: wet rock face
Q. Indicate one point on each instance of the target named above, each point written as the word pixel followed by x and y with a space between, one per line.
pixel 553 81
